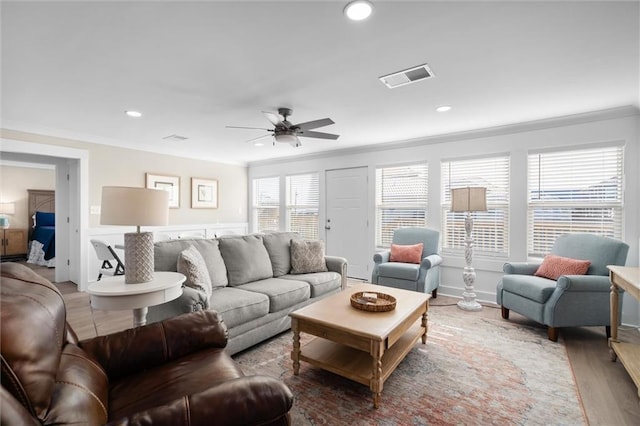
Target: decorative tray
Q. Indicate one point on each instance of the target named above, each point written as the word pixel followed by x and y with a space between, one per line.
pixel 380 303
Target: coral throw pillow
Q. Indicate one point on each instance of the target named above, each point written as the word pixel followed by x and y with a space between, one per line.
pixel 555 266
pixel 406 254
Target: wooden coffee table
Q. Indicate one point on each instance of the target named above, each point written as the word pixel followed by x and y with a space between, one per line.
pixel 362 346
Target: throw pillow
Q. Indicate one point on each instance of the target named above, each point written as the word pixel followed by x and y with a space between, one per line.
pixel 307 256
pixel 192 265
pixel 553 267
pixel 406 254
pixel 246 259
pixel 278 245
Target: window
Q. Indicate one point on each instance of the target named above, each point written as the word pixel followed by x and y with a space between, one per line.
pixel 401 200
pixel 573 191
pixel 266 204
pixel 490 228
pixel 303 202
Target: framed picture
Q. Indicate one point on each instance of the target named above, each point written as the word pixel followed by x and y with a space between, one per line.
pixel 171 184
pixel 204 193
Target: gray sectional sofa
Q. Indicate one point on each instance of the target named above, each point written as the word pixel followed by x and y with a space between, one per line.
pixel 252 284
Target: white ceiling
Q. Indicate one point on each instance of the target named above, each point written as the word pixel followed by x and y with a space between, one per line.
pixel 71 69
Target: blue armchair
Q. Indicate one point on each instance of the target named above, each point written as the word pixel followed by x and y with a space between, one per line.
pixel 572 300
pixel 423 277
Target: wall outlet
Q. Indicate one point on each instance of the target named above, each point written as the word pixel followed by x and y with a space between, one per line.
pixel 94 210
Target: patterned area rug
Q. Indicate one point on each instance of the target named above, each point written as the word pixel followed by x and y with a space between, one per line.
pixel 473 370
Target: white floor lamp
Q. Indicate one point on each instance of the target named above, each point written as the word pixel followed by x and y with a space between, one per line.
pixel 469 199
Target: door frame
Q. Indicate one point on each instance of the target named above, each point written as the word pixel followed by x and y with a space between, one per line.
pixel 72 199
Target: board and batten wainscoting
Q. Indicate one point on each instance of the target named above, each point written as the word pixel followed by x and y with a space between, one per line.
pixel 114 235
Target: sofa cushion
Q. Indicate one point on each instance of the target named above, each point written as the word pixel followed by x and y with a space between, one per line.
pixel 401 271
pixel 166 257
pixel 320 282
pixel 553 267
pixel 246 259
pixel 533 288
pixel 238 306
pixel 282 293
pixel 307 256
pixel 192 265
pixel 278 246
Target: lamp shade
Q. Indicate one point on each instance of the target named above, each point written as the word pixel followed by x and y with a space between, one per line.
pixel 134 206
pixel 468 199
pixel 7 208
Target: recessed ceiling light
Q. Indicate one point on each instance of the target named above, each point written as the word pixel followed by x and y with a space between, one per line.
pixel 258 144
pixel 358 10
pixel 134 114
pixel 443 108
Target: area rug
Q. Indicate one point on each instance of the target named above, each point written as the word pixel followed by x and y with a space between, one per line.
pixel 473 370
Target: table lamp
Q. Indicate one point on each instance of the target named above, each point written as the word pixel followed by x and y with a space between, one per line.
pixel 6 209
pixel 138 207
pixel 469 199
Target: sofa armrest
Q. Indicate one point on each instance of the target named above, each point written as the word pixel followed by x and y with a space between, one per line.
pixel 431 261
pixel 249 400
pixel 141 348
pixel 382 256
pixel 520 268
pixel 585 283
pixel 339 265
pixel 191 300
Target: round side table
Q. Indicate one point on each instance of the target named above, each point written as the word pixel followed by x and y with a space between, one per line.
pixel 111 293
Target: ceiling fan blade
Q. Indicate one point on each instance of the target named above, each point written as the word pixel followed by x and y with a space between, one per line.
pixel 253 128
pixel 308 125
pixel 255 139
pixel 319 135
pixel 273 118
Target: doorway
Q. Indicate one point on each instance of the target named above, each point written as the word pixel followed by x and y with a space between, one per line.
pixel 71 195
pixel 346 220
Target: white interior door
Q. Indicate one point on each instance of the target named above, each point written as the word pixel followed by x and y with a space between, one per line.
pixel 347 219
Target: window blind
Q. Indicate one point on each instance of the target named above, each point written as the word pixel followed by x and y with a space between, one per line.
pixel 266 204
pixel 490 228
pixel 303 204
pixel 573 191
pixel 401 199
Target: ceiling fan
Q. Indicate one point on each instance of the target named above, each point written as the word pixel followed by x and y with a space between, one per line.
pixel 286 132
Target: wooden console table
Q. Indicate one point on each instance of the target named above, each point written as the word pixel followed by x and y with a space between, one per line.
pixel 628 279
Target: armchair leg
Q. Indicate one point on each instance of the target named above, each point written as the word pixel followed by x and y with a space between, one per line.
pixel 434 294
pixel 552 333
pixel 607 330
pixel 505 312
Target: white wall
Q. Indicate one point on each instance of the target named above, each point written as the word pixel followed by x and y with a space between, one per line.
pixel 593 128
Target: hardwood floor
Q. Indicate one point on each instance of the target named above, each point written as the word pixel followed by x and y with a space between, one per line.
pixel 608 394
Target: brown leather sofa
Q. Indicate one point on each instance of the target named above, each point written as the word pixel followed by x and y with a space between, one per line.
pixel 174 372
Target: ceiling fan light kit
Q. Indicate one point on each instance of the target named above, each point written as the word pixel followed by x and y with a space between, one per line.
pixel 358 10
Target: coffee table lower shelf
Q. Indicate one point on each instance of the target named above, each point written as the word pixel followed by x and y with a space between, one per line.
pixel 355 364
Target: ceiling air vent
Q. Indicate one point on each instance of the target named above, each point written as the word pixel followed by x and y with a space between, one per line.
pixel 175 138
pixel 411 75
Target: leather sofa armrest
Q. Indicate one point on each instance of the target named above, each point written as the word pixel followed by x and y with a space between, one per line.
pixel 339 265
pixel 520 268
pixel 382 256
pixel 249 400
pixel 12 412
pixel 431 261
pixel 585 283
pixel 141 348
